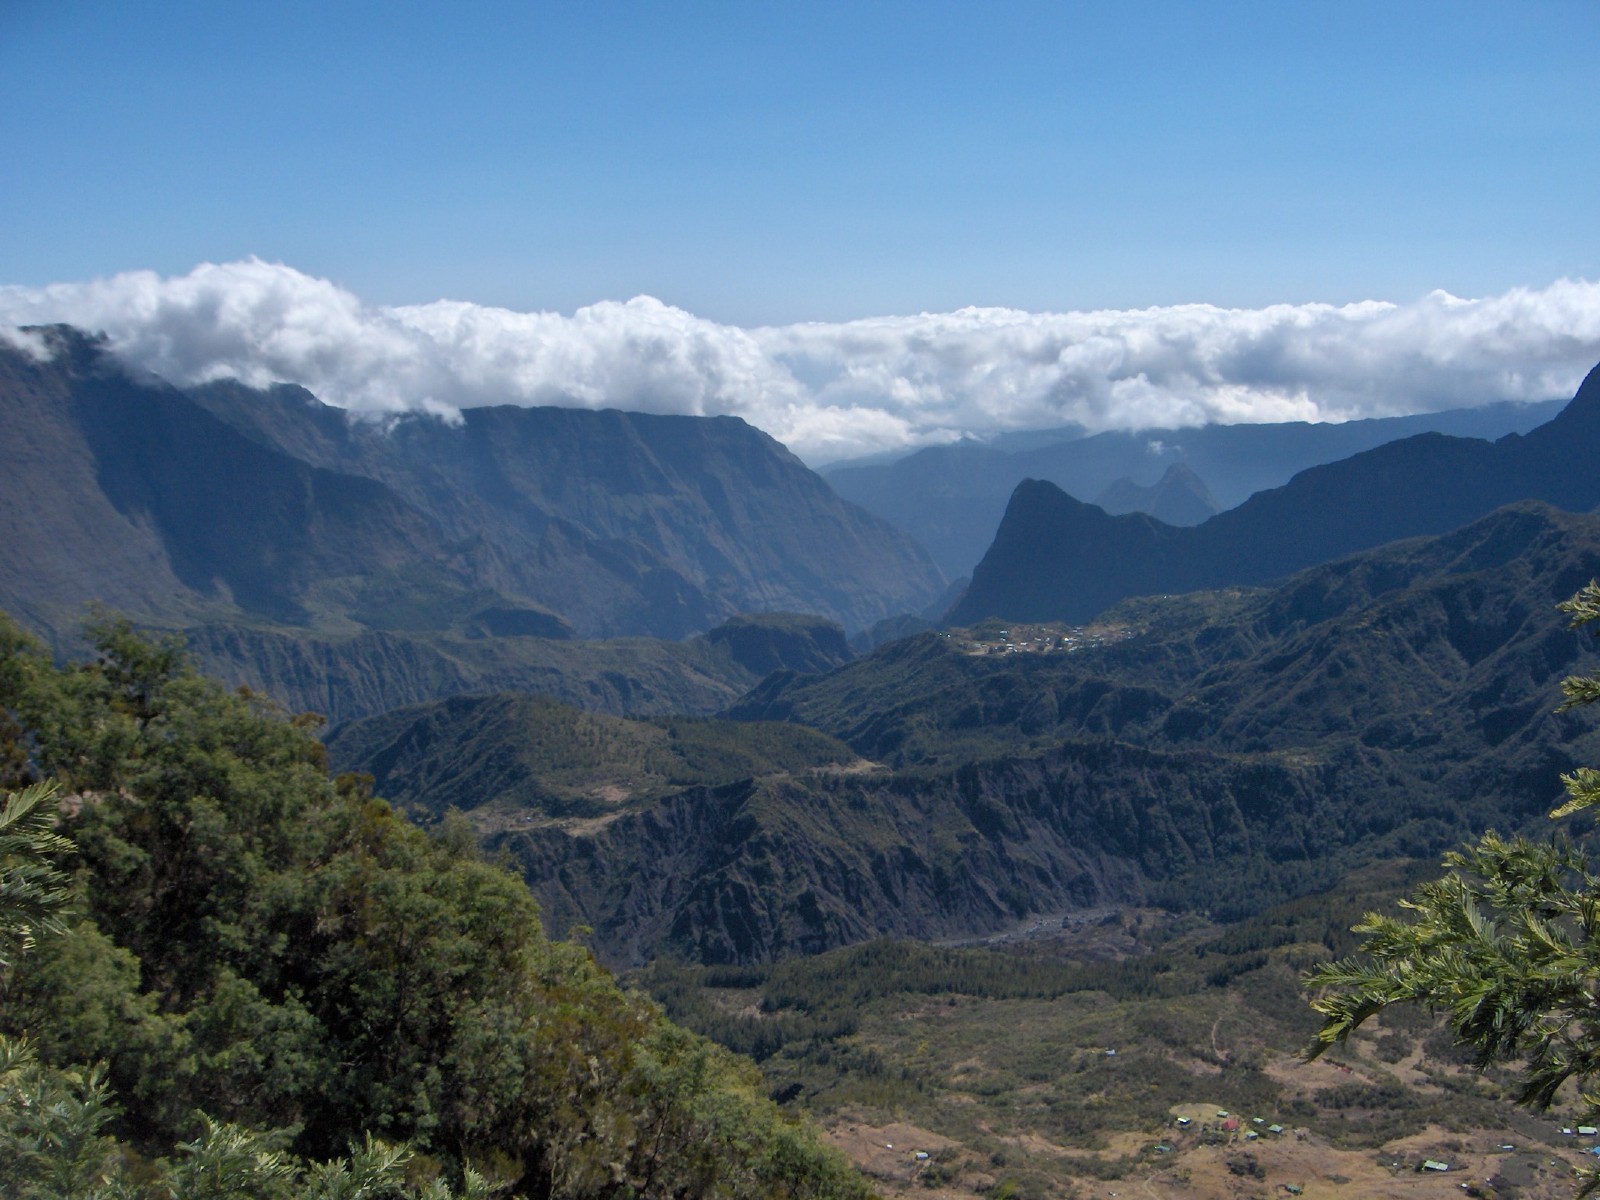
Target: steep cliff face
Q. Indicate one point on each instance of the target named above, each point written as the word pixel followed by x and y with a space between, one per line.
pixel 351 677
pixel 757 870
pixel 123 492
pixel 1054 558
pixel 622 522
pixel 229 504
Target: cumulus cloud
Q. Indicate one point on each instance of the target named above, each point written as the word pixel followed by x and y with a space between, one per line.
pixel 834 390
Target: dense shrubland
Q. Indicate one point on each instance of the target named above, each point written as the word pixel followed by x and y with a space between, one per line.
pixel 261 981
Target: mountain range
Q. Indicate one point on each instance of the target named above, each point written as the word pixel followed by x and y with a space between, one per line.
pixel 278 529
pixel 342 678
pixel 1212 752
pixel 1057 558
pixel 1179 497
pixel 951 498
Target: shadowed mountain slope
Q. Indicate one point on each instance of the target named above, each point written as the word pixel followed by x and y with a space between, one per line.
pixel 122 491
pixel 767 642
pixel 226 503
pixel 624 523
pixel 1055 558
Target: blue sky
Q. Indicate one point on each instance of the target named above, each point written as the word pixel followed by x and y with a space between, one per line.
pixel 861 226
pixel 762 164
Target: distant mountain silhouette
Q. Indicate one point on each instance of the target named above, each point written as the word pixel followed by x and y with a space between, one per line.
pixel 1056 558
pixel 1179 497
pixel 951 498
pixel 227 504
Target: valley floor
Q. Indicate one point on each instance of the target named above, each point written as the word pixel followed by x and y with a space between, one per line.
pixel 1525 1157
pixel 1134 1054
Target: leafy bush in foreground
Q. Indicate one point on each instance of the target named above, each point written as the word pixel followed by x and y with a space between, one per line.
pixel 276 967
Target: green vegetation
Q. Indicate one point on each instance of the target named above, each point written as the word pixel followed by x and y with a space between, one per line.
pixel 523 756
pixel 1506 946
pixel 1443 647
pixel 266 983
pixel 33 890
pixel 1214 753
pixel 1050 1063
pixel 348 675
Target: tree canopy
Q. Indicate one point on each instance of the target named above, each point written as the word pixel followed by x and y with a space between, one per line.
pixel 265 982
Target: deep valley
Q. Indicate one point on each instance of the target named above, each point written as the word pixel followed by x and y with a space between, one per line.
pixel 1011 888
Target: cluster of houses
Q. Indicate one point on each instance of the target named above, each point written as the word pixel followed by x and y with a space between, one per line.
pixel 1037 639
pixel 1232 1127
pixel 1588 1131
pixel 1227 1128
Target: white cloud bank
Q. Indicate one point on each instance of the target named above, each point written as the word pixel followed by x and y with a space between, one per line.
pixel 834 390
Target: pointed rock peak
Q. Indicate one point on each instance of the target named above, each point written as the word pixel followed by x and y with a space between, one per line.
pixel 1180 473
pixel 1588 393
pixel 1041 491
pixel 1584 407
pixel 1179 497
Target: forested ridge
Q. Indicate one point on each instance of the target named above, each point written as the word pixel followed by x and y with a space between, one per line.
pixel 265 982
pixel 1216 752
